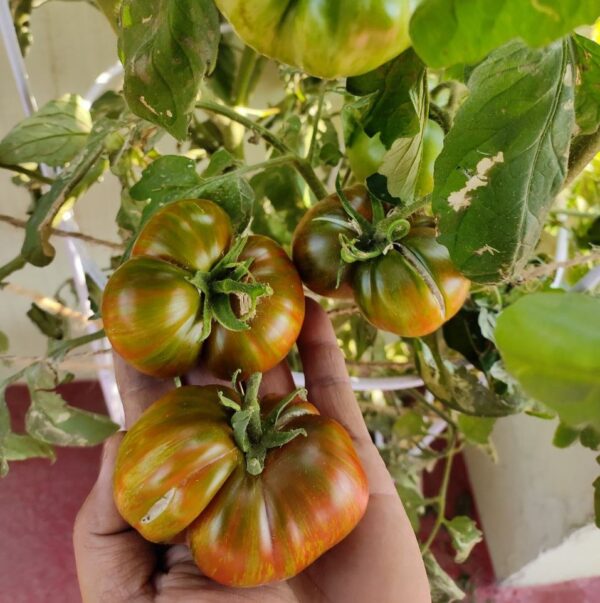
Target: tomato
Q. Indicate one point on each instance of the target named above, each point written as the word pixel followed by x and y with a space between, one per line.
pixel 276 325
pixel 409 288
pixel 366 155
pixel 413 289
pixel 155 307
pixel 180 470
pixel 316 244
pixel 326 38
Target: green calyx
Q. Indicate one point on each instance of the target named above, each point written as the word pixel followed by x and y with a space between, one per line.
pixel 254 434
pixel 374 238
pixel 229 282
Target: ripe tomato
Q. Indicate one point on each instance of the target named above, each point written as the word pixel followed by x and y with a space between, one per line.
pixel 276 325
pixel 156 315
pixel 326 38
pixel 316 245
pixel 179 470
pixel 410 289
pixel 413 289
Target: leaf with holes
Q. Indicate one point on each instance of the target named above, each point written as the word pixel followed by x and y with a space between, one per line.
pixel 505 160
pixel 167 47
pixel 443 588
pixel 51 420
pixel 447 32
pixel 465 535
pixel 53 135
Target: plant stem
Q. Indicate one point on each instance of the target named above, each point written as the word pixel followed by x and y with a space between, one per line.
pixel 64 233
pixel 421 399
pixel 574 213
pixel 303 167
pixel 33 174
pixel 246 72
pixel 315 132
pixel 12 266
pixel 442 496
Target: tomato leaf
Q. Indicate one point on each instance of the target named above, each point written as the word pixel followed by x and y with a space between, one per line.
pixel 167 47
pixel 53 135
pixel 587 91
pixel 37 248
pixel 51 420
pixel 443 588
pixel 549 343
pixel 465 535
pixel 476 430
pixel 18 447
pixel 447 32
pixel 3 343
pixel 409 425
pixel 51 325
pixel 505 160
pixel 565 435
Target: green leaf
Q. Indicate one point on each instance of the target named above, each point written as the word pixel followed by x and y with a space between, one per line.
pixel 410 425
pixel 549 343
pixel 17 447
pixel 51 420
pixel 168 178
pixel 590 438
pixel 220 162
pixel 37 248
pixel 476 430
pixel 4 343
pixel 167 47
pixel 394 98
pixel 465 535
pixel 447 32
pixel 505 160
pixel 587 90
pixel 111 104
pixel 21 14
pixel 565 435
pixel 53 135
pixel 443 588
pixel 50 325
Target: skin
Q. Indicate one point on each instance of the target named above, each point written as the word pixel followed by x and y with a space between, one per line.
pixel 380 560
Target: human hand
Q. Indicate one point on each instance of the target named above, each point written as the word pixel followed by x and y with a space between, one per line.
pixel 379 561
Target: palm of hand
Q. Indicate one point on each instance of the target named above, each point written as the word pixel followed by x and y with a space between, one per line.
pixel 379 561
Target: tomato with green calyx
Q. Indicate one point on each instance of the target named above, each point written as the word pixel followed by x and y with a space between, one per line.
pixel 316 246
pixel 187 281
pixel 402 279
pixel 326 38
pixel 366 155
pixel 259 490
pixel 411 290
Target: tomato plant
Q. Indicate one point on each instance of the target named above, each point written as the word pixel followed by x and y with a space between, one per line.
pixel 431 176
pixel 184 272
pixel 295 466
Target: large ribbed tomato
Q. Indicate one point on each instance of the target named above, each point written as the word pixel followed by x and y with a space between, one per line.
pixel 408 287
pixel 180 469
pixel 155 308
pixel 326 38
pixel 413 289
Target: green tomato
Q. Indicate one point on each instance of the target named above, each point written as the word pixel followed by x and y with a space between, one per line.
pixel 325 38
pixel 366 155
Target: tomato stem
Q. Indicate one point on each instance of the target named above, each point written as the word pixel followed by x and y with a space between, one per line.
pixel 254 435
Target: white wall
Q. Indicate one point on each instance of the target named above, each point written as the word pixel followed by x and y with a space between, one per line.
pixel 534 497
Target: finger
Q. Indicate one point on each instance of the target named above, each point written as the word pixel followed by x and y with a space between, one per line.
pixel 138 391
pixel 277 381
pixel 113 562
pixel 200 375
pixel 327 378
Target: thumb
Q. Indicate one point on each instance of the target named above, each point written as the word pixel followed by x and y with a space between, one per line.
pixel 114 563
